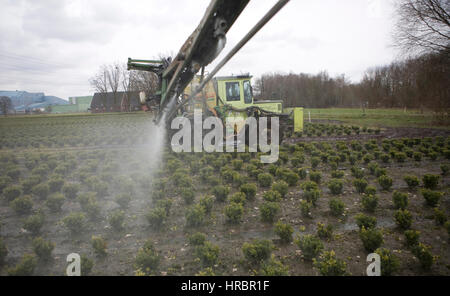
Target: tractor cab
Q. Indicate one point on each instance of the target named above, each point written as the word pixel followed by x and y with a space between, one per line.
pixel 234 90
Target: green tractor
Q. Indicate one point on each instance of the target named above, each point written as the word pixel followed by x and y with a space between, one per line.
pixel 182 90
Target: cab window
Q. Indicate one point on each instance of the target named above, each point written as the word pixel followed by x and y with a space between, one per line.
pixel 247 92
pixel 233 91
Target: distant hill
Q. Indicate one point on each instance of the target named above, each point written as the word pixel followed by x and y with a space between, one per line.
pixel 23 100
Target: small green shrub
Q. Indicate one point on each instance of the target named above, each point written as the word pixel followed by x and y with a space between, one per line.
pixel 99 245
pixel 385 158
pixel 337 174
pixel 389 262
pixel 315 161
pixel 411 181
pixel 249 190
pixel 417 156
pixel 284 231
pixel 373 166
pixel 208 253
pixel 324 232
pixel 221 192
pixel 371 238
pixel 447 227
pixel 22 205
pixel 312 195
pixel 403 218
pixel 385 182
pixel 237 164
pixel 365 221
pixel 445 168
pixel 3 252
pixel 423 253
pixel 12 192
pixel 272 195
pixel 86 265
pixel 147 258
pixel 25 267
pixel 305 208
pixel 281 187
pixel 370 190
pixel 234 212
pixel 411 237
pixel 315 177
pixel 273 268
pixel 296 161
pixel 369 202
pixel 357 172
pixel 116 219
pixel 156 217
pixel 290 177
pixel 257 251
pixel 70 190
pixel 335 186
pixel 329 265
pixel 28 184
pixel 42 248
pixel 431 197
pixel 75 222
pixel 41 191
pixel 309 185
pixel 400 157
pixel 188 195
pixel 360 185
pixel 272 169
pixel 195 216
pixel 302 173
pixel 13 173
pixel 123 200
pixel 337 207
pixel 400 200
pixel 197 239
pixel 55 184
pixel 4 181
pixel 310 245
pixel 265 180
pixel 207 203
pixel 439 216
pixel 54 202
pixel 269 210
pixel 34 223
pixel 237 197
pixel 430 181
pixel 380 172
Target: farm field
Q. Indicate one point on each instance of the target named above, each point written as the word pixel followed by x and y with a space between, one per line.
pixel 106 187
pixel 394 118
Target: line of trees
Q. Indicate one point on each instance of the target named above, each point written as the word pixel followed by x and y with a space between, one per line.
pixel 422 82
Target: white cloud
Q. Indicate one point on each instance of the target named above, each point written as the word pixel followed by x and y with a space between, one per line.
pixel 56 45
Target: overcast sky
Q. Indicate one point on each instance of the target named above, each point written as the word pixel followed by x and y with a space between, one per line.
pixel 55 46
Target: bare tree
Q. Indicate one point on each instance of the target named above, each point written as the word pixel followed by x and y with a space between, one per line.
pixel 114 80
pixel 5 105
pixel 100 83
pixel 423 26
pixel 127 81
pixel 144 81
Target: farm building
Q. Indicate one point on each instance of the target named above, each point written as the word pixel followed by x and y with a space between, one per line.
pixel 77 104
pixel 120 102
pixel 84 103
